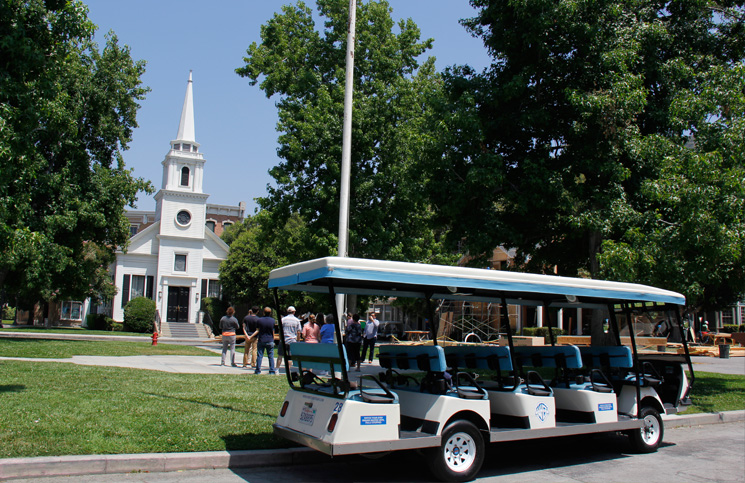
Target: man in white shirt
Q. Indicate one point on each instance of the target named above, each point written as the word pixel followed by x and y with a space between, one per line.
pixel 291 329
pixel 371 335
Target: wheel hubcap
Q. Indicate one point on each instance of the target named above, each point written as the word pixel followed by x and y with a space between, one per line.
pixel 651 430
pixel 460 451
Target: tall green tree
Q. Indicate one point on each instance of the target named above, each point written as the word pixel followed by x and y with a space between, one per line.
pixel 67 110
pixel 303 66
pixel 257 246
pixel 606 138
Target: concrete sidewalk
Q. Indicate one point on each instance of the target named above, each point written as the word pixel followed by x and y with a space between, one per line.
pixel 180 364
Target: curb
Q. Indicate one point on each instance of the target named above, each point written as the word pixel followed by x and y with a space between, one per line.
pixel 685 420
pixel 44 466
pixel 161 462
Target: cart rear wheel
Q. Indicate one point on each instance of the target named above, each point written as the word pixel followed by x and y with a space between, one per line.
pixel 648 438
pixel 460 455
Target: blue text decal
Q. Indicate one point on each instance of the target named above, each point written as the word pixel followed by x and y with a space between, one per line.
pixel 372 420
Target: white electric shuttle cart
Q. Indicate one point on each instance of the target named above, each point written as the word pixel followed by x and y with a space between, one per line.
pixel 449 401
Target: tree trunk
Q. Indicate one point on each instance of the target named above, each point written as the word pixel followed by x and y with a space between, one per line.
pixel 595 239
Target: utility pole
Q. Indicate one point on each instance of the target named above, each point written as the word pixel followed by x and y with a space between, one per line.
pixel 346 154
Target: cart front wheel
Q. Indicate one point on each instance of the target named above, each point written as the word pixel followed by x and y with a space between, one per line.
pixel 460 455
pixel 648 438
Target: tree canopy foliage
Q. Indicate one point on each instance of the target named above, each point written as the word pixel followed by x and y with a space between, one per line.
pixel 67 110
pixel 304 66
pixel 256 248
pixel 606 138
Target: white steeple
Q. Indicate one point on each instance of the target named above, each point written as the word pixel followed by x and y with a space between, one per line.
pixel 183 177
pixel 185 138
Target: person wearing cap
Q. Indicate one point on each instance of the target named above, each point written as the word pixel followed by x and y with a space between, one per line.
pixel 291 329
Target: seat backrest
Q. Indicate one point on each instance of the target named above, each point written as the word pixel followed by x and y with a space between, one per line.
pixel 610 356
pixel 427 358
pixel 478 357
pixel 319 357
pixel 567 356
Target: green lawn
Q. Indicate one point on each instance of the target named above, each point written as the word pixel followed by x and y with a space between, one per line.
pixel 717 392
pixel 61 349
pixel 65 409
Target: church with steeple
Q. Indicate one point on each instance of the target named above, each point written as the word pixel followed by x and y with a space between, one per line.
pixel 174 252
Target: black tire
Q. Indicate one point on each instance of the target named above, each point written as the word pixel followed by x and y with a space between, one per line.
pixel 648 438
pixel 460 455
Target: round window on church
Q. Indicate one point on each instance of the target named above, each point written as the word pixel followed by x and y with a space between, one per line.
pixel 183 218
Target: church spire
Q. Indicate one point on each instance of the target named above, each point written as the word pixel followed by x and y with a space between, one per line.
pixel 185 136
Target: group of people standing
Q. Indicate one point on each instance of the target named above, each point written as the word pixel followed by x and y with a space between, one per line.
pixel 259 332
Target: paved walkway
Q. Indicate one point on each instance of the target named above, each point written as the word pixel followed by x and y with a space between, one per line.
pixel 177 364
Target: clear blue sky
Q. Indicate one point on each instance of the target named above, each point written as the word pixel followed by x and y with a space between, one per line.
pixel 235 122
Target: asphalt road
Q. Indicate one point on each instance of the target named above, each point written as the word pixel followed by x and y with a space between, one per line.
pixel 711 453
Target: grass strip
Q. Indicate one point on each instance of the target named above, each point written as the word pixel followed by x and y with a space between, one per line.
pixel 62 409
pixel 70 330
pixel 63 349
pixel 714 392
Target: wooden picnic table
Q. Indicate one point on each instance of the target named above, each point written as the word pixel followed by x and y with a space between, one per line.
pixel 720 339
pixel 417 335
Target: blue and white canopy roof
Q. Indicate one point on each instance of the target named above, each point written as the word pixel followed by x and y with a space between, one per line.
pixel 403 279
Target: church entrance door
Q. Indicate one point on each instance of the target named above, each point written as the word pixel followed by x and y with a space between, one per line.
pixel 178 304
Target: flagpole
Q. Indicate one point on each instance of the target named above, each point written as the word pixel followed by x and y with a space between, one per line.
pixel 346 154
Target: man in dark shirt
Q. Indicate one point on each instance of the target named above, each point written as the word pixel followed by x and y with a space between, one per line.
pixel 265 333
pixel 249 327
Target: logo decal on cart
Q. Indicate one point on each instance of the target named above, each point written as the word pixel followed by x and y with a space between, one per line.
pixel 307 415
pixel 605 407
pixel 541 411
pixel 372 420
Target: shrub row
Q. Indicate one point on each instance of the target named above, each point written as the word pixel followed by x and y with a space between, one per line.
pixel 542 331
pixel 8 313
pixel 139 315
pixel 103 322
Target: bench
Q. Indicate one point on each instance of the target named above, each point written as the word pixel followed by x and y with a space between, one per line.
pixel 424 358
pixel 586 340
pixel 320 357
pixel 427 358
pixel 578 399
pixel 608 358
pixel 560 356
pixel 488 357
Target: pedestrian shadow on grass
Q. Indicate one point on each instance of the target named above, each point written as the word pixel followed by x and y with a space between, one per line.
pixel 207 403
pixel 12 388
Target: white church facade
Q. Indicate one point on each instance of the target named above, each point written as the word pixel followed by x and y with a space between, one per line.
pixel 174 253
